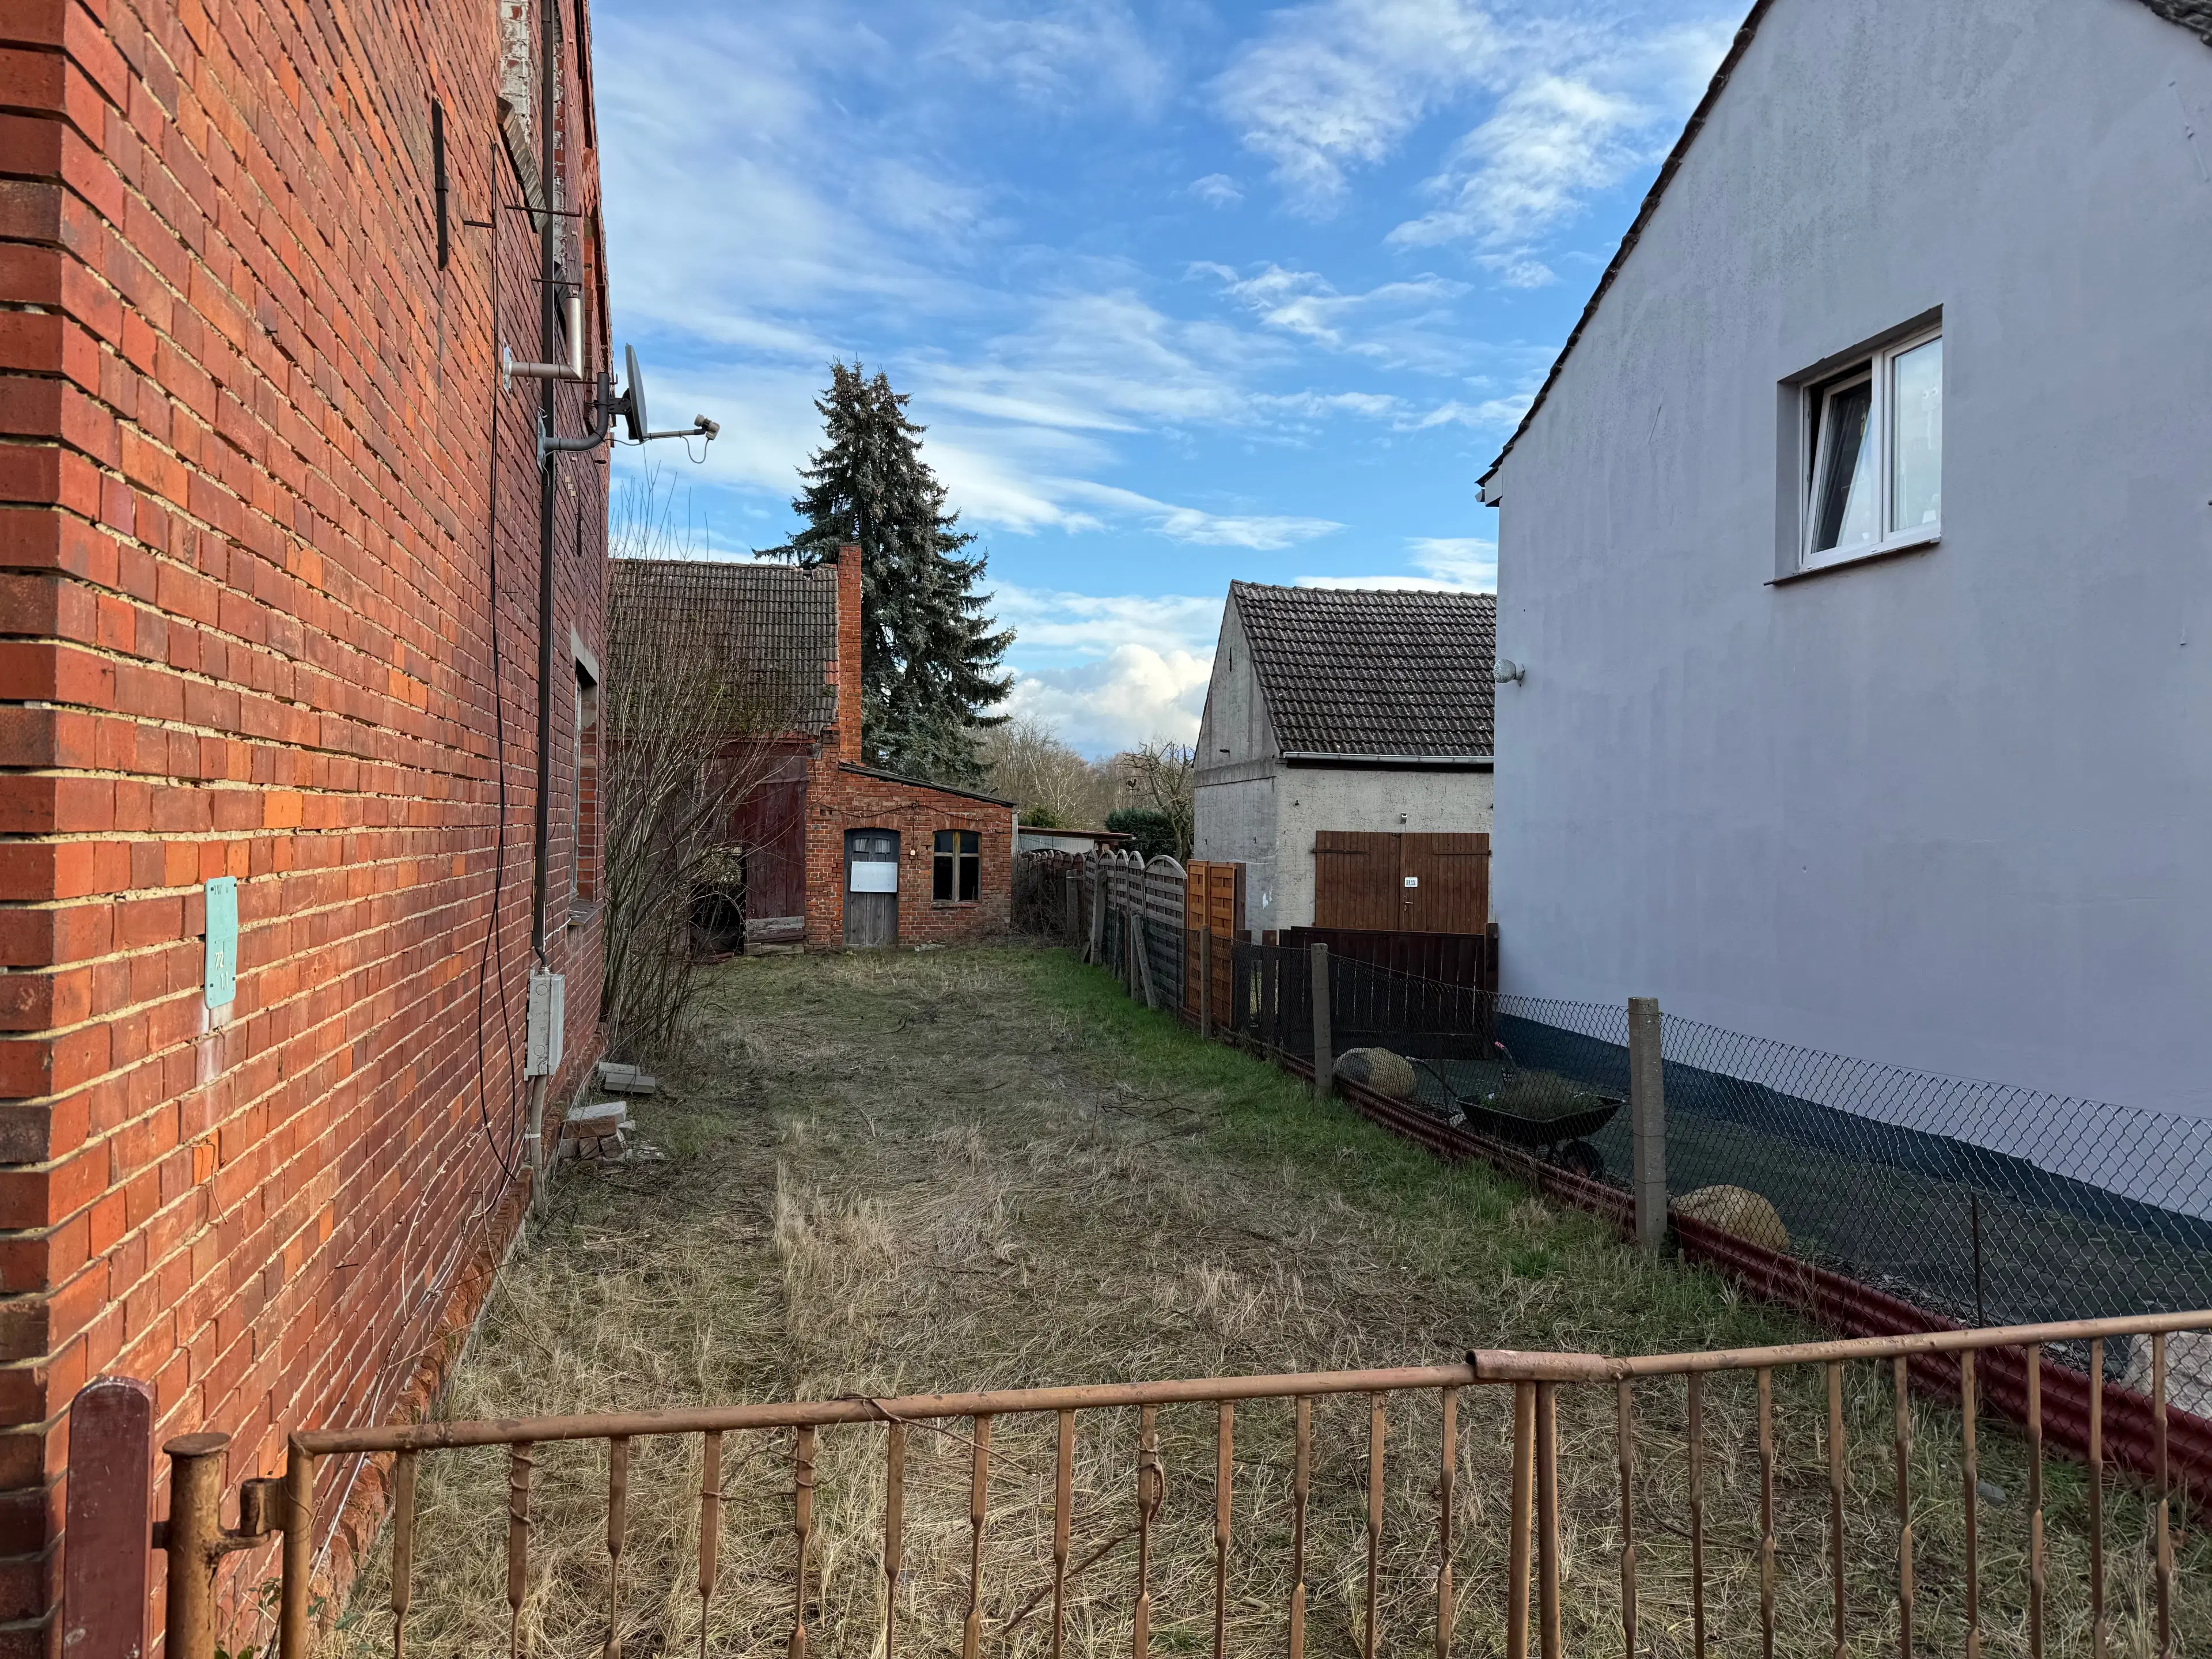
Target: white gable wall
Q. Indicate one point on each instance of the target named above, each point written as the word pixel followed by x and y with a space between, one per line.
pixel 1950 810
pixel 1234 808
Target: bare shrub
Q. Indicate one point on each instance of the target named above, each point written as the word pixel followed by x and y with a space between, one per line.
pixel 691 730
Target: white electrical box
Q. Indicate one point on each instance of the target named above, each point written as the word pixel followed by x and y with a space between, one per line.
pixel 545 1038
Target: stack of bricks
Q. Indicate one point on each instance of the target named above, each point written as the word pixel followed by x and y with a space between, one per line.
pixel 269 567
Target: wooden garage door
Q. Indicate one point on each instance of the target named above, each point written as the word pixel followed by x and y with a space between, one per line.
pixel 1423 884
pixel 1452 873
pixel 1356 879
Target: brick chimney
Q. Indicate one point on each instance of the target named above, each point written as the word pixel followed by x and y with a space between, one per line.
pixel 848 653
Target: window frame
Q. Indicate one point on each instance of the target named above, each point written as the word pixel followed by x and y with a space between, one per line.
pixel 951 867
pixel 1878 365
pixel 585 781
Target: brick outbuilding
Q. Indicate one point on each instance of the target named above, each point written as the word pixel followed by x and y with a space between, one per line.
pixel 935 863
pixel 269 599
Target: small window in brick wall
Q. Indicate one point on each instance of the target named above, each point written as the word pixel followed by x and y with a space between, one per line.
pixel 959 866
pixel 584 870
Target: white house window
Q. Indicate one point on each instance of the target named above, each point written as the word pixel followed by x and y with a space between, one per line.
pixel 1876 481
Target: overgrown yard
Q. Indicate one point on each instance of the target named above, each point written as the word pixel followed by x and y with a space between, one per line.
pixel 899 1173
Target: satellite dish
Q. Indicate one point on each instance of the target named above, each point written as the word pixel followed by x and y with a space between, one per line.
pixel 633 399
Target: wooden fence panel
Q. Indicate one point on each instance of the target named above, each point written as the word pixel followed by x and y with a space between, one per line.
pixel 1214 896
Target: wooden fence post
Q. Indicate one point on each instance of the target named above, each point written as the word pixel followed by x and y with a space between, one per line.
pixel 108 1531
pixel 1647 1116
pixel 1206 981
pixel 194 1542
pixel 1095 953
pixel 1142 945
pixel 1324 1056
pixel 1074 909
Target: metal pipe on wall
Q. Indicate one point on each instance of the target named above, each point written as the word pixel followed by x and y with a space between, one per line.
pixel 548 73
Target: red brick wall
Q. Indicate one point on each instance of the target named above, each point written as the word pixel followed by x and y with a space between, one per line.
pixel 839 798
pixel 248 480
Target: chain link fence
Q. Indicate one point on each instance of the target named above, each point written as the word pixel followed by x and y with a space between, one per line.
pixel 1987 1204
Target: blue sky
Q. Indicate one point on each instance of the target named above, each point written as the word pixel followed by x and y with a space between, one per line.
pixel 1184 292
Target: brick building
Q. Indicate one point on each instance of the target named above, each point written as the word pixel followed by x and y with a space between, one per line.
pixel 837 853
pixel 271 604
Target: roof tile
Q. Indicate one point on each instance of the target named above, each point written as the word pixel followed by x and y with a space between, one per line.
pixel 774 626
pixel 1373 672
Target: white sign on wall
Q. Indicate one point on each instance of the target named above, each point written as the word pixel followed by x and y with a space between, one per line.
pixel 873 876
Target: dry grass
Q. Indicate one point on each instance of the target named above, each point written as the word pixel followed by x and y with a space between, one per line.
pixel 895 1174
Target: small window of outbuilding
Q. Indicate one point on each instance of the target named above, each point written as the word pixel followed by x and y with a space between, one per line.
pixel 959 866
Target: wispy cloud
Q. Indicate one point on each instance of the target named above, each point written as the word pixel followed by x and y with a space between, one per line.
pixel 1264 532
pixel 1217 189
pixel 1056 55
pixel 1092 625
pixel 1558 135
pixel 1441 564
pixel 1333 87
pixel 1405 323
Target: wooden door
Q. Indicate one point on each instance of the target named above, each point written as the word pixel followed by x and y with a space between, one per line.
pixel 770 824
pixel 1443 883
pixel 871 868
pixel 1356 879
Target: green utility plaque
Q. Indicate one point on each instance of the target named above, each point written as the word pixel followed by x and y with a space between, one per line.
pixel 222 940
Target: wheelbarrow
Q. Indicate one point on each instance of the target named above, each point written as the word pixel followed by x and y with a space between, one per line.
pixel 1560 1136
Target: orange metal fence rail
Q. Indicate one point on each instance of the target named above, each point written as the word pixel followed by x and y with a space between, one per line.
pixel 196 1542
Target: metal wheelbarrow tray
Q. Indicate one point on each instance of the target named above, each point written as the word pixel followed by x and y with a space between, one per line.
pixel 1561 1138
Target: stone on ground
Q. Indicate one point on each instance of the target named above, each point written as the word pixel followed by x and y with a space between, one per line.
pixel 1736 1210
pixel 1378 1069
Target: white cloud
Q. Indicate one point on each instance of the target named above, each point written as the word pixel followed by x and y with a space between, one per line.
pixel 1217 189
pixel 1335 85
pixel 1553 140
pixel 1066 53
pixel 1091 625
pixel 1262 532
pixel 1441 564
pixel 1136 693
pixel 1108 671
pixel 1408 324
pixel 1491 411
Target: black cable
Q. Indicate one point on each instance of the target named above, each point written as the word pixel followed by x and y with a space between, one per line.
pixel 494 948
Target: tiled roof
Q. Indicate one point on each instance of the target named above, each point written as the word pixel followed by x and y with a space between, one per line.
pixel 2195 15
pixel 774 627
pixel 1372 672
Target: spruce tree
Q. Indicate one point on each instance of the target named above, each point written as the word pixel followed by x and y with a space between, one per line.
pixel 929 653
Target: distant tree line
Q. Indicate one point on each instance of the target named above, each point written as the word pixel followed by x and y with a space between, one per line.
pixel 1144 791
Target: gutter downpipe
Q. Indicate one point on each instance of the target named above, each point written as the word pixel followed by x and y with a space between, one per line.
pixel 549 37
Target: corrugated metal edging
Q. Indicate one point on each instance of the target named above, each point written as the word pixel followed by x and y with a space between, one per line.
pixel 1843 1305
pixel 1851 1308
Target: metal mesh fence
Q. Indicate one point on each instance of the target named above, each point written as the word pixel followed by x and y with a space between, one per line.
pixel 1988 1203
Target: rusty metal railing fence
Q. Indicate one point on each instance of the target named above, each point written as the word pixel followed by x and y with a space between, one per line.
pixel 1677 1447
